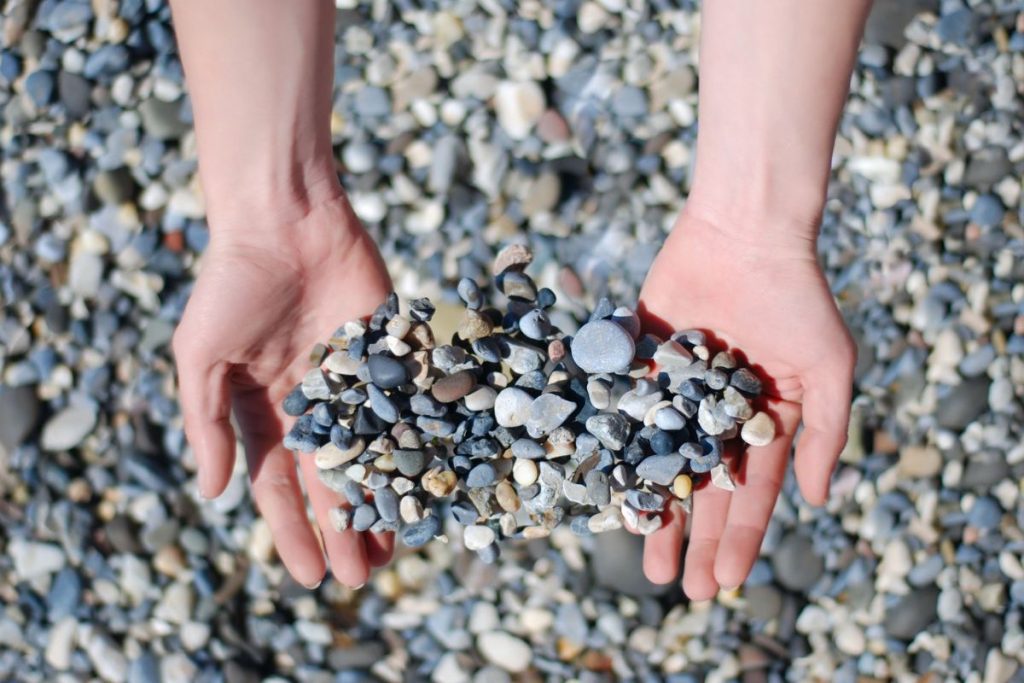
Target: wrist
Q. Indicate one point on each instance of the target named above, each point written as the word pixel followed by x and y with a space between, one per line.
pixel 268 194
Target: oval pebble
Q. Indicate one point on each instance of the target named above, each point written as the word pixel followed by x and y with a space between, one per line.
pixel 602 346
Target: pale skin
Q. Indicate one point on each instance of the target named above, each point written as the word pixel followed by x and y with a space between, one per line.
pixel 285 245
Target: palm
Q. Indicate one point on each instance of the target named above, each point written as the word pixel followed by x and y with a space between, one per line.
pixel 258 308
pixel 772 307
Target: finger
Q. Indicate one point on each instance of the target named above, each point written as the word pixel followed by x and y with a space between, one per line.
pixel 758 482
pixel 275 488
pixel 826 420
pixel 206 407
pixel 662 549
pixel 346 550
pixel 379 548
pixel 710 507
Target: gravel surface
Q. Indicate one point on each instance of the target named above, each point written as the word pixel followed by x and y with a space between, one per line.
pixel 460 128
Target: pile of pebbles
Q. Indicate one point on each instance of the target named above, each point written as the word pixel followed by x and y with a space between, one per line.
pixel 459 126
pixel 522 426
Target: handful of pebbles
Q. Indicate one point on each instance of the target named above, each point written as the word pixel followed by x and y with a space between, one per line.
pixel 515 427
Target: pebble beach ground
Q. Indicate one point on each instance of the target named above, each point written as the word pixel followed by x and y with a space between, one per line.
pixel 460 127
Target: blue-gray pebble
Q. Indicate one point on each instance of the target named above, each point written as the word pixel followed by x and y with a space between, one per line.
pixel 602 346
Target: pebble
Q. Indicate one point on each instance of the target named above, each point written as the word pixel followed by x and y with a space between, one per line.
pixel 512 407
pixel 797 566
pixel 602 346
pixel 660 469
pixel 525 472
pixel 68 428
pixel 387 372
pixel 505 651
pixel 453 387
pixel 611 429
pixel 477 537
pixel 758 430
pixel 547 412
pixel 519 105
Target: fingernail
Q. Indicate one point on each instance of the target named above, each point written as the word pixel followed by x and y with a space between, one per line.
pixel 314 586
pixel 359 586
pixel 729 589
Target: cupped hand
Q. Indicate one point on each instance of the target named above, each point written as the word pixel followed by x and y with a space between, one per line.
pixel 760 293
pixel 270 288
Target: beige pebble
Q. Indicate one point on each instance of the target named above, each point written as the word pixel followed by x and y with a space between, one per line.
pixel 758 430
pixel 682 486
pixel 438 483
pixel 330 456
pixel 524 472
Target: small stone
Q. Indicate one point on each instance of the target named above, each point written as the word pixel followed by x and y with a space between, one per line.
pixel 32 560
pixel 419 533
pixel 660 469
pixel 507 497
pixel 363 517
pixel 608 519
pixel 669 419
pixel 382 406
pixel 69 427
pixel 409 462
pixel 387 372
pixel 611 429
pixel 19 411
pixel 439 483
pixel 512 407
pixel 340 518
pixel 920 461
pixel 912 614
pixel 477 537
pixel 330 456
pixel 469 292
pixel 314 386
pixel 452 387
pixel 736 404
pixel 758 430
pixel 481 475
pixel 722 478
pixel 505 651
pixel 682 486
pixel 575 493
pixel 985 513
pixel 797 566
pixel 746 381
pixel 482 399
pixel 386 502
pixel 519 105
pixel 525 472
pixel 712 420
pixel 547 412
pixel 410 509
pixel 602 346
pixel 598 490
pixel 514 256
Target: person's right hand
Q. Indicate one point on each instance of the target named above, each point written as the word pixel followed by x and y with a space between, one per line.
pixel 271 287
pixel 758 291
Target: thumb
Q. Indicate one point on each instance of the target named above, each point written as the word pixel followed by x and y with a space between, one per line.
pixel 206 406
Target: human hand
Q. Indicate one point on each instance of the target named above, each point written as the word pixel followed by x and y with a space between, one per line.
pixel 270 288
pixel 763 295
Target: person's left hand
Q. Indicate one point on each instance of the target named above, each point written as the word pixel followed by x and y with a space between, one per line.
pixel 756 289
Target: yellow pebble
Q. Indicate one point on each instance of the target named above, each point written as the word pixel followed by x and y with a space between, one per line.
pixel 682 486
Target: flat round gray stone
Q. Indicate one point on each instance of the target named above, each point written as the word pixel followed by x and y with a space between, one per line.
pixel 797 567
pixel 68 428
pixel 602 346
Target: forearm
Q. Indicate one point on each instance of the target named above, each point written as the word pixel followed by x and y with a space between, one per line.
pixel 773 81
pixel 260 75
